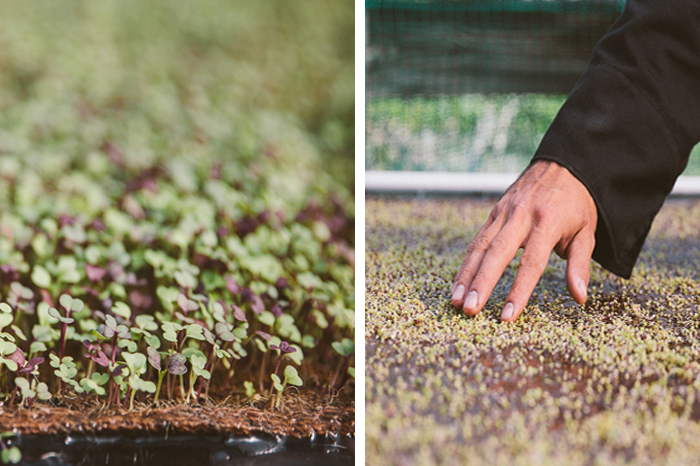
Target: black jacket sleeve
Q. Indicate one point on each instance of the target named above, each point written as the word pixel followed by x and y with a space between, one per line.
pixel 627 128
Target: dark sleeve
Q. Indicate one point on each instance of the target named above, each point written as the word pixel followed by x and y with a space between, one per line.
pixel 627 128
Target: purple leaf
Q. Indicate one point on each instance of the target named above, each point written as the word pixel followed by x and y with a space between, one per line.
pixel 91 345
pixel 257 304
pixel 284 348
pixel 246 295
pixel 18 357
pixel 265 336
pixel 123 332
pixel 223 332
pixel 176 364
pixel 238 313
pixel 119 370
pixel 95 273
pixel 186 304
pixel 153 357
pixel 31 365
pixel 281 284
pixel 102 359
pixel 132 279
pixel 209 336
pixel 8 274
pixel 184 318
pixel 140 300
pixel 276 310
pixel 232 286
pixel 99 357
pixel 106 331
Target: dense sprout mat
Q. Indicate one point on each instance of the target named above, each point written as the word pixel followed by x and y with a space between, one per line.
pixel 176 218
pixel 616 381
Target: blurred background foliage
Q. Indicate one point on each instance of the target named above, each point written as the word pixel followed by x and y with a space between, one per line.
pixel 107 89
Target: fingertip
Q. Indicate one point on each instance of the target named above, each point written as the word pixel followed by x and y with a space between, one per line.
pixel 471 304
pixel 508 314
pixel 580 291
pixel 458 295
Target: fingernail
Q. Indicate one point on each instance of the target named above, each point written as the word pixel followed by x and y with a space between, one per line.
pixel 458 293
pixel 508 311
pixel 471 300
pixel 582 288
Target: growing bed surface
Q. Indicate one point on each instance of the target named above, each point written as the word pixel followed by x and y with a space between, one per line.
pixel 613 382
pixel 176 217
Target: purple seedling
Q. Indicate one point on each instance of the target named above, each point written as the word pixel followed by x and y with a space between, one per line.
pixel 95 355
pixel 176 366
pixel 222 333
pixel 110 329
pixel 284 349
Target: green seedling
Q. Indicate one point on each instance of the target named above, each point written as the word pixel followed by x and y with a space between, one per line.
pixel 291 377
pixel 9 455
pixel 345 348
pixel 65 370
pixel 136 363
pixel 32 390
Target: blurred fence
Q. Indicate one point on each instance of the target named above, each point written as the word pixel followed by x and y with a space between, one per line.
pixel 482 46
pixel 471 85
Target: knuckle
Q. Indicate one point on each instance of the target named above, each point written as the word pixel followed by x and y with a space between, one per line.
pixel 480 244
pixel 499 245
pixel 530 262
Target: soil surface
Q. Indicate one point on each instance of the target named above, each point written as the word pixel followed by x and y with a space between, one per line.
pixel 300 416
pixel 615 381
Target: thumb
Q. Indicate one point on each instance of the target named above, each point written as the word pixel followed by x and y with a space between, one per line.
pixel 578 265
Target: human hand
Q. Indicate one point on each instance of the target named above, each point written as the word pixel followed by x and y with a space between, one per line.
pixel 546 208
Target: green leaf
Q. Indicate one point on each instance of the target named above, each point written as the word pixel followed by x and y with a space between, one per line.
pixel 41 277
pixel 345 348
pixel 42 333
pixel 351 371
pixel 198 361
pixel 291 376
pixel 145 321
pixel 297 356
pixel 267 318
pixel 195 331
pixel 7 347
pixel 122 309
pixel 19 333
pixel 249 388
pixel 21 383
pixel 11 455
pixel 265 266
pixel 93 254
pixel 128 344
pixel 4 307
pixel 9 363
pixel 309 280
pixel 308 341
pixel 277 382
pixel 5 320
pixel 153 341
pixel 185 279
pixel 37 347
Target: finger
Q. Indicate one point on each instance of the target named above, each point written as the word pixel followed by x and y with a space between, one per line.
pixel 578 266
pixel 500 253
pixel 532 264
pixel 475 254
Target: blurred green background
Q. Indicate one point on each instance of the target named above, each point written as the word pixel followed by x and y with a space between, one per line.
pixel 472 132
pixel 155 81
